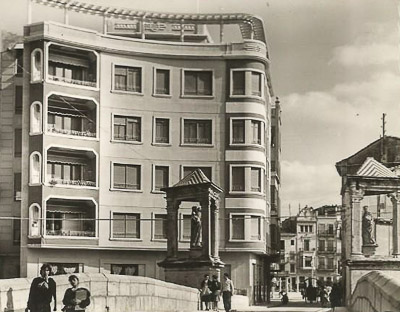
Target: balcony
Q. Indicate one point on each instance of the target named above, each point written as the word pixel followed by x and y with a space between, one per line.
pixel 68 167
pixel 71 116
pixel 70 218
pixel 326 233
pixel 72 66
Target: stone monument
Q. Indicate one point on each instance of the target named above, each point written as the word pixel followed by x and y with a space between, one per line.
pixel 203 258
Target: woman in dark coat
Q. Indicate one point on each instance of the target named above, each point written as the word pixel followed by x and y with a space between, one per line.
pixel 335 296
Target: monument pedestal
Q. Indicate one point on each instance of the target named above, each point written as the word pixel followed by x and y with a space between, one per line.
pixel 190 272
pixel 369 250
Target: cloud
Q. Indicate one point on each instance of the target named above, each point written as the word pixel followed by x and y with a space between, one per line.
pixel 377 45
pixel 312 185
pixel 322 128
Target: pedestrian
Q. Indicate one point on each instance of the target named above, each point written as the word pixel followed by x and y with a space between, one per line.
pixel 205 293
pixel 215 288
pixel 75 298
pixel 227 292
pixel 43 289
pixel 335 296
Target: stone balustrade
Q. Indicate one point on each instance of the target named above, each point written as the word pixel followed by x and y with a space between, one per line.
pixel 376 292
pixel 109 293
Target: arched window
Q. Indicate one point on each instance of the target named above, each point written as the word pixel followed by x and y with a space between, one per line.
pixel 36 118
pixel 35 168
pixel 36 65
pixel 35 223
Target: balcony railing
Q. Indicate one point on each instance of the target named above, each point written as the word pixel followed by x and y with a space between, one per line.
pixel 72 182
pixel 70 233
pixel 71 132
pixel 72 81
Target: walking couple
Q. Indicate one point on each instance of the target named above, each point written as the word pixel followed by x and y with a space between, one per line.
pixel 43 290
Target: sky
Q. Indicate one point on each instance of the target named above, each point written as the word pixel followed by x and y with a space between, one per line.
pixel 334 66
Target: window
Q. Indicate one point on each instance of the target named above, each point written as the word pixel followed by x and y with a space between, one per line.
pixel 306 245
pixel 161 177
pixel 65 268
pixel 206 170
pixel 238 82
pixel 330 245
pixel 35 168
pixel 36 118
pixel 17 142
pixel 321 262
pixel 36 65
pixel 160 226
pixel 321 245
pixel 18 99
pixel 330 228
pixel 34 220
pixel 162 82
pixel 238 179
pixel 128 269
pixel 292 242
pixel 321 228
pixel 256 83
pixel 256 131
pixel 127 177
pixel 161 131
pixel 256 179
pixel 16 231
pixel 128 79
pixel 246 82
pixel 186 225
pixel 237 227
pixel 126 225
pixel 63 171
pixel 238 131
pixel 308 262
pixel 19 55
pixel 197 131
pixel 198 82
pixel 330 263
pixel 292 268
pixel 282 244
pixel 247 131
pixel 255 228
pixel 17 186
pixel 127 128
pixel 273 136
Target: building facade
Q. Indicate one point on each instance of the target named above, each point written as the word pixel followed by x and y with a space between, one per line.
pixel 11 93
pixel 108 119
pixel 310 248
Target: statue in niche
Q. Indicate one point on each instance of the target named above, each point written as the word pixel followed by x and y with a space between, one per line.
pixel 367 227
pixel 195 229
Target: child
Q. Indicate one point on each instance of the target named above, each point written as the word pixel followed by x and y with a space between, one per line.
pixel 75 299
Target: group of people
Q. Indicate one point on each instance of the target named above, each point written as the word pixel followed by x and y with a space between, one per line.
pixel 211 290
pixel 325 294
pixel 43 291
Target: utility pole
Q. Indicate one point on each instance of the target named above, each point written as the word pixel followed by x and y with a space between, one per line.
pixel 383 156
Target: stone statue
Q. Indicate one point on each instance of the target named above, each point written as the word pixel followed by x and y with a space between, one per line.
pixel 195 229
pixel 367 227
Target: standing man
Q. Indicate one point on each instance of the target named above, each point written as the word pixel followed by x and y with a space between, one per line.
pixel 227 292
pixel 43 289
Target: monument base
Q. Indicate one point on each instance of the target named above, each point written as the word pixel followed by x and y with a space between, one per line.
pixel 191 277
pixel 369 250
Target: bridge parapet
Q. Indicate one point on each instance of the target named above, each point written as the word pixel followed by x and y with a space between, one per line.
pixel 111 293
pixel 376 292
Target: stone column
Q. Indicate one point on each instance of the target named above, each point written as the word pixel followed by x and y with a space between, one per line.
pixel 356 197
pixel 172 233
pixel 214 229
pixel 297 284
pixel 206 226
pixel 395 197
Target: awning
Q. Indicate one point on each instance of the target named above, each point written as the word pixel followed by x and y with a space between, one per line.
pixel 63 59
pixel 66 114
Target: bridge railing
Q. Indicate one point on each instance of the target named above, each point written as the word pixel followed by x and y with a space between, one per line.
pixel 376 292
pixel 111 293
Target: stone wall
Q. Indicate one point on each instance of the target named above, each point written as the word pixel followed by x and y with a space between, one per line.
pixel 377 291
pixel 109 293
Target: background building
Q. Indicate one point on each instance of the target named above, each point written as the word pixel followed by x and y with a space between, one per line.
pixel 310 248
pixel 110 119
